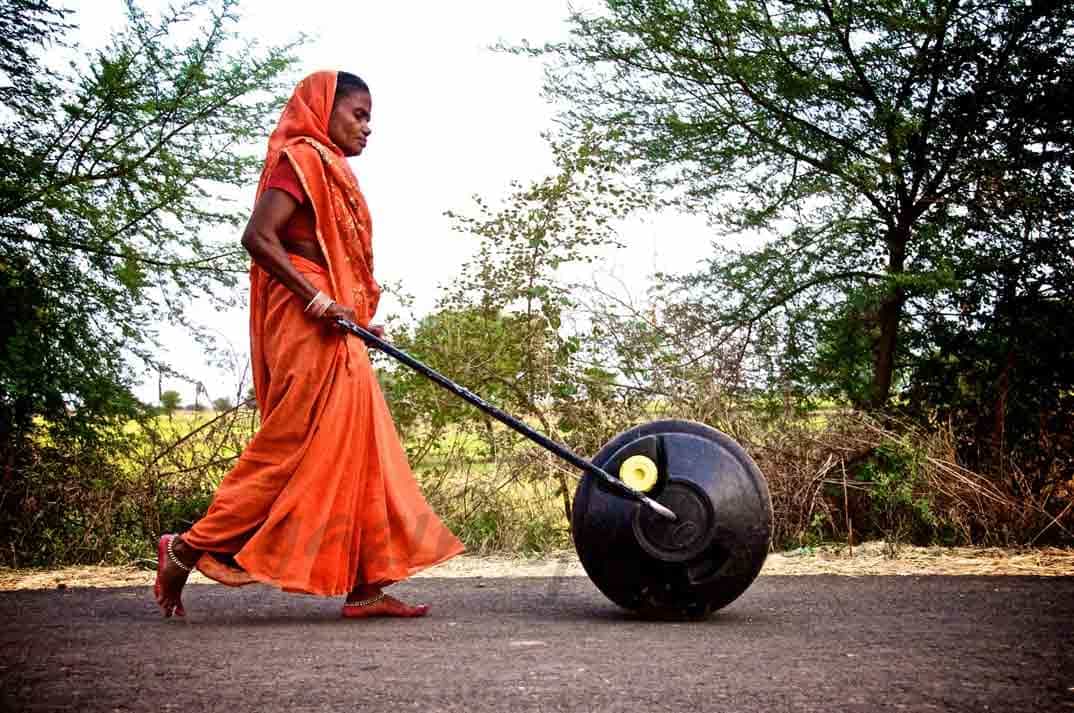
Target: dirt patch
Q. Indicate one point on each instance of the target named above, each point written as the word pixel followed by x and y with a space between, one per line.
pixel 878 558
pixel 871 558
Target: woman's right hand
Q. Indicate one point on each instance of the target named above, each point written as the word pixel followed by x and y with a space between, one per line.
pixel 338 311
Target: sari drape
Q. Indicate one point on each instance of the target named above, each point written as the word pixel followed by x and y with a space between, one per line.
pixel 323 497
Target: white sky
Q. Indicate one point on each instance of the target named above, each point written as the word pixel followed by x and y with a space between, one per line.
pixel 451 118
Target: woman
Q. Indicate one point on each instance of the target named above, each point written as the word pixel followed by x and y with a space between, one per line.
pixel 322 500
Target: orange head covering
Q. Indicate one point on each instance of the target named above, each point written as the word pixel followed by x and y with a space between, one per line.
pixel 343 226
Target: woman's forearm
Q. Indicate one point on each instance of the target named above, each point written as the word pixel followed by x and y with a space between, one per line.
pixel 262 240
pixel 268 252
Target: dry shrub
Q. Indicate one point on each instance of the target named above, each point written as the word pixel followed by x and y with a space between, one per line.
pixel 512 502
pixel 833 476
pixel 88 503
pixel 851 477
pixel 180 464
pixel 67 503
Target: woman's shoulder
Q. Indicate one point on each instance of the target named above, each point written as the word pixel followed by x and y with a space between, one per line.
pixel 307 149
pixel 305 157
pixel 284 178
pixel 299 153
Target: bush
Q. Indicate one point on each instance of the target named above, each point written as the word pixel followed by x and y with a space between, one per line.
pixel 833 475
pixel 849 477
pixel 515 501
pixel 107 500
pixel 900 504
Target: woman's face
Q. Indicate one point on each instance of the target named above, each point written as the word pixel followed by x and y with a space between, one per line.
pixel 348 125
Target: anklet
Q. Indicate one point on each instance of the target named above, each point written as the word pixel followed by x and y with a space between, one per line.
pixel 366 602
pixel 173 558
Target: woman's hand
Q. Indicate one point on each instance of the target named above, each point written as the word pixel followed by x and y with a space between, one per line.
pixel 338 311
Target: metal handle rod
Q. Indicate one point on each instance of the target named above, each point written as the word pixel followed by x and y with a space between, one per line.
pixel 504 418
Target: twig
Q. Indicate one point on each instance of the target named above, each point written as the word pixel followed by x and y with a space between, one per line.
pixel 197 430
pixel 846 508
pixel 1055 521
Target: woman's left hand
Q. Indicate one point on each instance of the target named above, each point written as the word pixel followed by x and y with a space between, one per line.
pixel 377 330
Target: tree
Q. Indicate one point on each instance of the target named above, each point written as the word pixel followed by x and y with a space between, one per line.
pixel 857 131
pixel 114 193
pixel 997 350
pixel 564 219
pixel 499 326
pixel 222 404
pixel 169 401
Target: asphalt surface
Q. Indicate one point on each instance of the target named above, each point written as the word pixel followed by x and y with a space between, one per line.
pixel 819 643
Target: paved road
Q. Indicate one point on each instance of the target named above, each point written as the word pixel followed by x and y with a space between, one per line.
pixel 789 644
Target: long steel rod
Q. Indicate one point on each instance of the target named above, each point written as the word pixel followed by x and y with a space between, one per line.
pixel 506 419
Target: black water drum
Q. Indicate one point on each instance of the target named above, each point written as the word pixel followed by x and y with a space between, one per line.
pixel 691 567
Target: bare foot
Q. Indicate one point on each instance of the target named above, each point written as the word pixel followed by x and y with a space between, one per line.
pixel 385 605
pixel 168 589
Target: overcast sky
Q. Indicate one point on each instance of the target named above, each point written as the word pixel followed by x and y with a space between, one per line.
pixel 451 118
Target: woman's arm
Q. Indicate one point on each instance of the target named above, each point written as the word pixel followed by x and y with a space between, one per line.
pixel 262 240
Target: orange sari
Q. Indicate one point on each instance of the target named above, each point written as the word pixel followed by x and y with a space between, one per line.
pixel 322 498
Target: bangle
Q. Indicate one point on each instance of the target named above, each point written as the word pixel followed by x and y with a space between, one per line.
pixel 316 297
pixel 319 304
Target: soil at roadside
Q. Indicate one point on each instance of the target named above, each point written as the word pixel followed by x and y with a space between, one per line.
pixel 871 558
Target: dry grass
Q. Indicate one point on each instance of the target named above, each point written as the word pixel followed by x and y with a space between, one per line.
pixel 922 492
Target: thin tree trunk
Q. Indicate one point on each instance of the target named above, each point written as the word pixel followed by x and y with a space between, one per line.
pixel 889 317
pixel 998 437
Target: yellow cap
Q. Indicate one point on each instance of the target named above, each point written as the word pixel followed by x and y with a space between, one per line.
pixel 639 472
